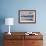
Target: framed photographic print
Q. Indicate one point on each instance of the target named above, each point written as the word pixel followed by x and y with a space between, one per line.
pixel 27 16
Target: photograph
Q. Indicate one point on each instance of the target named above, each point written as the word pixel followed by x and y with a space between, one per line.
pixel 27 16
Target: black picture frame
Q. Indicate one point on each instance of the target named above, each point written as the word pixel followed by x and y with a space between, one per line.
pixel 27 16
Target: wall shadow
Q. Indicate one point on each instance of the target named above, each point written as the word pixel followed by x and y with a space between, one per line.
pixel 2 21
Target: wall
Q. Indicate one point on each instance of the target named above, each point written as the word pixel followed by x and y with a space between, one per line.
pixel 9 8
